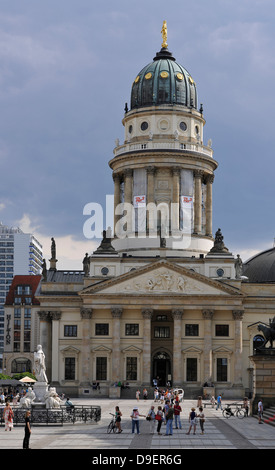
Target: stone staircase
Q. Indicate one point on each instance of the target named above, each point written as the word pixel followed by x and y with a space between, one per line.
pixel 130 393
pixel 269 416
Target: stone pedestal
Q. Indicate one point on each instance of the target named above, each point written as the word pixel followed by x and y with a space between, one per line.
pixel 263 378
pixel 40 389
pixel 208 392
pixel 114 392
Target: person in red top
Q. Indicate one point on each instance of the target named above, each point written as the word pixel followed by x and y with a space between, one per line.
pixel 177 410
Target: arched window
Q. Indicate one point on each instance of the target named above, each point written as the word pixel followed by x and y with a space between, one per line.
pixel 21 364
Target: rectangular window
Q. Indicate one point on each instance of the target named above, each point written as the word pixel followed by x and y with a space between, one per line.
pixel 27 324
pixel 102 329
pixel 27 313
pixel 162 332
pixel 101 368
pixel 131 368
pixel 131 329
pixel 222 330
pixel 222 369
pixel 17 312
pixel 192 369
pixel 70 330
pixel 69 368
pixel 191 330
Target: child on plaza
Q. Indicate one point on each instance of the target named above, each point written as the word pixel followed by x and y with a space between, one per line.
pixel 192 421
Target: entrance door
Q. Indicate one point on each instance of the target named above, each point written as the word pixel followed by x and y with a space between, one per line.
pixel 161 367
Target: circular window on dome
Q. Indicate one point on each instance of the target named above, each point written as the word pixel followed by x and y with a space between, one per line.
pixel 179 76
pixel 164 74
pixel 137 79
pixel 148 76
pixel 130 129
pixel 144 126
pixel 183 126
pixel 220 272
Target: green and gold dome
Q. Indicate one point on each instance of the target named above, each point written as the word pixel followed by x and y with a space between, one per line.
pixel 164 81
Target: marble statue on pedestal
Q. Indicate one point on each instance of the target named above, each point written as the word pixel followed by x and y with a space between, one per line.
pixel 39 364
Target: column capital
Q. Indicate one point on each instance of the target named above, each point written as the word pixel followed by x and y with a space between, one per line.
pixel 147 313
pixel 208 314
pixel 198 173
pixel 238 314
pixel 44 315
pixel 175 170
pixel 86 313
pixel 116 312
pixel 128 172
pixel 210 178
pixel 55 315
pixel 151 170
pixel 116 177
pixel 177 314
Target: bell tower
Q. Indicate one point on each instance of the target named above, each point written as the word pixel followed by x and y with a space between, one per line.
pixel 163 172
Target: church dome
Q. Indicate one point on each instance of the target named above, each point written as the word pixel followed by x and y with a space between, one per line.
pixel 163 81
pixel 261 268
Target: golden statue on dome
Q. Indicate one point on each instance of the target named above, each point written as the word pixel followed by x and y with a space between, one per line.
pixel 164 35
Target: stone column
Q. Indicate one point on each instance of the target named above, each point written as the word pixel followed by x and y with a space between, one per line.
pixel 55 316
pixel 116 372
pixel 86 315
pixel 175 212
pixel 128 198
pixel 150 224
pixel 198 174
pixel 116 179
pixel 147 317
pixel 238 317
pixel 209 182
pixel 45 339
pixel 177 363
pixel 208 363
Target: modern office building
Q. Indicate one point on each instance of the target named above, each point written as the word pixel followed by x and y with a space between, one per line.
pixel 20 253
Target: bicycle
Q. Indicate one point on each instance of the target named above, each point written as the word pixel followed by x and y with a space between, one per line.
pixel 239 412
pixel 112 425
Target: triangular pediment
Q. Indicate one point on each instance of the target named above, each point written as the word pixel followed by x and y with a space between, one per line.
pixel 161 278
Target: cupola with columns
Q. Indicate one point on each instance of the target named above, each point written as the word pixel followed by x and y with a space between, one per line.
pixel 163 173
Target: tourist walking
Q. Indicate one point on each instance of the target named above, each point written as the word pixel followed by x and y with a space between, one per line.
pixel 26 440
pixel 118 415
pixel 192 421
pixel 137 394
pixel 260 411
pixel 8 416
pixel 169 421
pixel 159 419
pixel 151 418
pixel 177 411
pixel 199 402
pixel 135 420
pixel 219 402
pixel 201 417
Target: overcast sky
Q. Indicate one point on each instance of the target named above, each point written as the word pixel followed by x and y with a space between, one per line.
pixel 66 71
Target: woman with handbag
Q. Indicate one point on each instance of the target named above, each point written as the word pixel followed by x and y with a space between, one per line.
pixel 8 416
pixel 159 419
